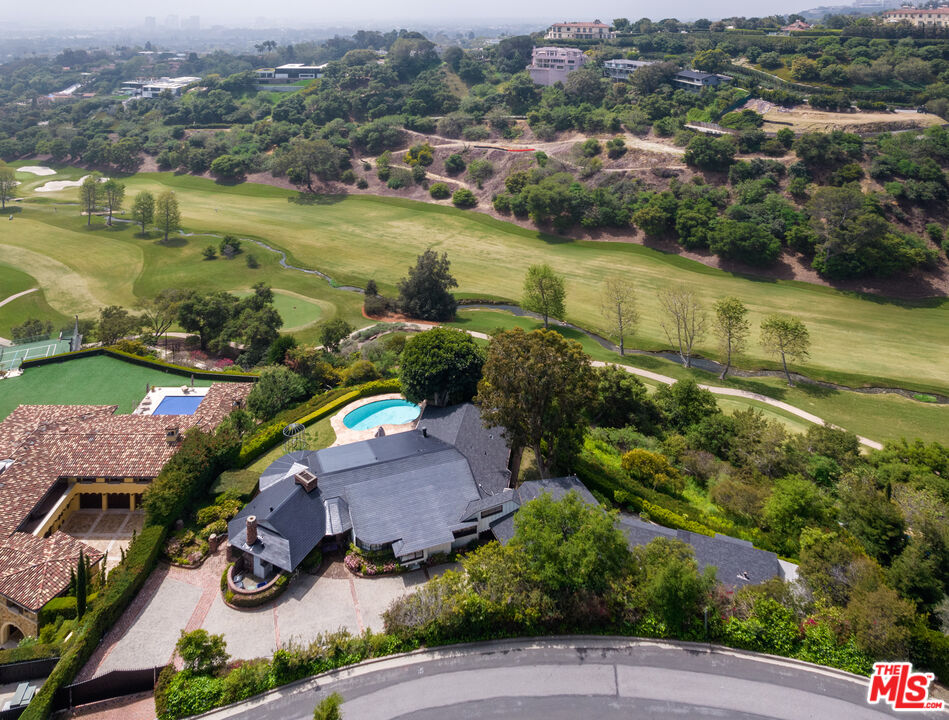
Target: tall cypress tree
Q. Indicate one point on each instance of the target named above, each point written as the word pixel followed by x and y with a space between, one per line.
pixel 82 580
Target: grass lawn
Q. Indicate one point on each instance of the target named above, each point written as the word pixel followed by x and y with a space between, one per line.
pixel 84 381
pixel 34 305
pixel 855 339
pixel 318 436
pixel 878 417
pixel 296 310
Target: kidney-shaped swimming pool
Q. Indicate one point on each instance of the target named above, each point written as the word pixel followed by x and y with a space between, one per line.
pixel 381 412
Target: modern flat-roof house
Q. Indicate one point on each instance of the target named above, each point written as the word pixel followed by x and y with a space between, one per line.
pixel 154 87
pixel 621 69
pixel 290 72
pixel 930 17
pixel 55 459
pixel 737 562
pixel 550 65
pixel 696 79
pixel 579 31
pixel 418 493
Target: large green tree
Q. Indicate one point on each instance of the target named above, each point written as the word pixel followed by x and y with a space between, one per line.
pixel 537 386
pixel 277 388
pixel 442 366
pixel 424 292
pixel 544 292
pixel 115 323
pixel 90 195
pixel 732 328
pixel 303 158
pixel 143 209
pixel 167 213
pixel 568 546
pixel 618 305
pixel 113 194
pixel 786 337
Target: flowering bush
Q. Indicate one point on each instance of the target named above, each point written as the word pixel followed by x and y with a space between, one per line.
pixel 358 565
pixel 223 363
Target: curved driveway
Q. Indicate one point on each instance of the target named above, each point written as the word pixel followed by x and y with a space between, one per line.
pixel 574 678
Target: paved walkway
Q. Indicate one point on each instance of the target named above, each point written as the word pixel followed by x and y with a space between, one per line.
pixel 108 531
pixel 13 297
pixel 175 599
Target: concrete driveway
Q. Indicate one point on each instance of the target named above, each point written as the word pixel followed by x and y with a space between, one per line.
pixel 175 599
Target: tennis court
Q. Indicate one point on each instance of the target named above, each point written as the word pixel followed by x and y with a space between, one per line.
pixel 11 356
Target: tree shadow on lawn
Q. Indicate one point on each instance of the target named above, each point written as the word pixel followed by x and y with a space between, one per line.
pixel 172 242
pixel 306 198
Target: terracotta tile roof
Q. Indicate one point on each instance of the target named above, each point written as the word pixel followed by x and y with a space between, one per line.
pixel 48 442
pixel 35 570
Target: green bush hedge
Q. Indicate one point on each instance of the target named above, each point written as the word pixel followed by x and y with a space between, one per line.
pixel 36 651
pixel 64 607
pixel 257 599
pixel 122 585
pixel 271 434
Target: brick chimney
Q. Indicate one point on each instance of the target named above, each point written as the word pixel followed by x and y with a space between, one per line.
pixel 172 434
pixel 251 530
pixel 306 480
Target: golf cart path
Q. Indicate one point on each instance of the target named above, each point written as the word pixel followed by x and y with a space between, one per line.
pixel 714 389
pixel 17 295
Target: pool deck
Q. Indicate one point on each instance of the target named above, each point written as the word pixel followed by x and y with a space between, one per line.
pixel 344 435
pixel 156 394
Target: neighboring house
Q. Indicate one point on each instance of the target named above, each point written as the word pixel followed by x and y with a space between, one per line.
pixel 696 79
pixel 621 69
pixel 154 87
pixel 290 72
pixel 931 17
pixel 737 562
pixel 55 459
pixel 579 31
pixel 796 26
pixel 418 493
pixel 550 65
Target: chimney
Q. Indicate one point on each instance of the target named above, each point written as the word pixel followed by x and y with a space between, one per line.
pixel 424 432
pixel 306 480
pixel 172 434
pixel 251 530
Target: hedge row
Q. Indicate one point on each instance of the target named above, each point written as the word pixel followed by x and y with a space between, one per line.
pixel 122 585
pixel 64 607
pixel 660 514
pixel 140 360
pixel 270 435
pixel 36 651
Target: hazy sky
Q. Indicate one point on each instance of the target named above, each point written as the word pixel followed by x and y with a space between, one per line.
pixel 380 13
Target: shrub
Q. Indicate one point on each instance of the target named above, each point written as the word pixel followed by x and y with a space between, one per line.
pixel 246 680
pixel 362 183
pixel 439 191
pixel 359 372
pixel 191 694
pixel 475 133
pixel 277 388
pixel 464 198
pixel 348 176
pixel 201 651
pixel 455 164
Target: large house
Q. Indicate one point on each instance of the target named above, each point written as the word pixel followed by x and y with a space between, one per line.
pixel 418 493
pixel 929 17
pixel 550 65
pixel 152 88
pixel 621 69
pixel 579 31
pixel 696 80
pixel 424 492
pixel 291 72
pixel 55 459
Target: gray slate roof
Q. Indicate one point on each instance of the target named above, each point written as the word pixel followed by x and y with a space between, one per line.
pixel 737 561
pixel 485 449
pixel 407 489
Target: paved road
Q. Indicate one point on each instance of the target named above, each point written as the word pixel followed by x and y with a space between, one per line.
pixel 571 678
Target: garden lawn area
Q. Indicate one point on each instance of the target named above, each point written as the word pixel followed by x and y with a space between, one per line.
pixel 856 339
pixel 296 310
pixel 879 417
pixel 85 381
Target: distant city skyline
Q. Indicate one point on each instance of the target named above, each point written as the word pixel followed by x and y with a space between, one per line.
pixel 368 13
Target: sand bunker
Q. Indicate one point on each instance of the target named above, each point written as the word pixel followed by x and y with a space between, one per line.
pixel 37 170
pixel 56 185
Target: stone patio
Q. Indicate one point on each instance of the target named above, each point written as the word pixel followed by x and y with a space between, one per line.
pixel 105 530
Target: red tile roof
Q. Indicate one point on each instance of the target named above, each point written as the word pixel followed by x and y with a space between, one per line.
pixel 48 442
pixel 35 570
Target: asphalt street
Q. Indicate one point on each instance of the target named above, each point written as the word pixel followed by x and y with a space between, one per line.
pixel 577 678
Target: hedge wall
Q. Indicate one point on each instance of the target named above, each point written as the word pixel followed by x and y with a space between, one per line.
pixel 271 434
pixel 122 585
pixel 37 651
pixel 143 361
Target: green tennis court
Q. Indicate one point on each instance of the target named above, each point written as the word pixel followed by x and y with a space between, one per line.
pixel 11 356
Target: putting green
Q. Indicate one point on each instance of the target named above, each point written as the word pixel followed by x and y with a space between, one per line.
pixel 296 310
pixel 856 339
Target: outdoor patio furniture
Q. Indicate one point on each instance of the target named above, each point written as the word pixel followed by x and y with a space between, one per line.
pixel 19 697
pixel 261 583
pixel 239 578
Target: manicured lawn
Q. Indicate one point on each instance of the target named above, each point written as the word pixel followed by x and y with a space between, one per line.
pixel 296 310
pixel 34 305
pixel 878 417
pixel 855 339
pixel 85 381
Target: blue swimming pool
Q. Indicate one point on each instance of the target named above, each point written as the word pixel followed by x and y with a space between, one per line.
pixel 178 405
pixel 381 412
